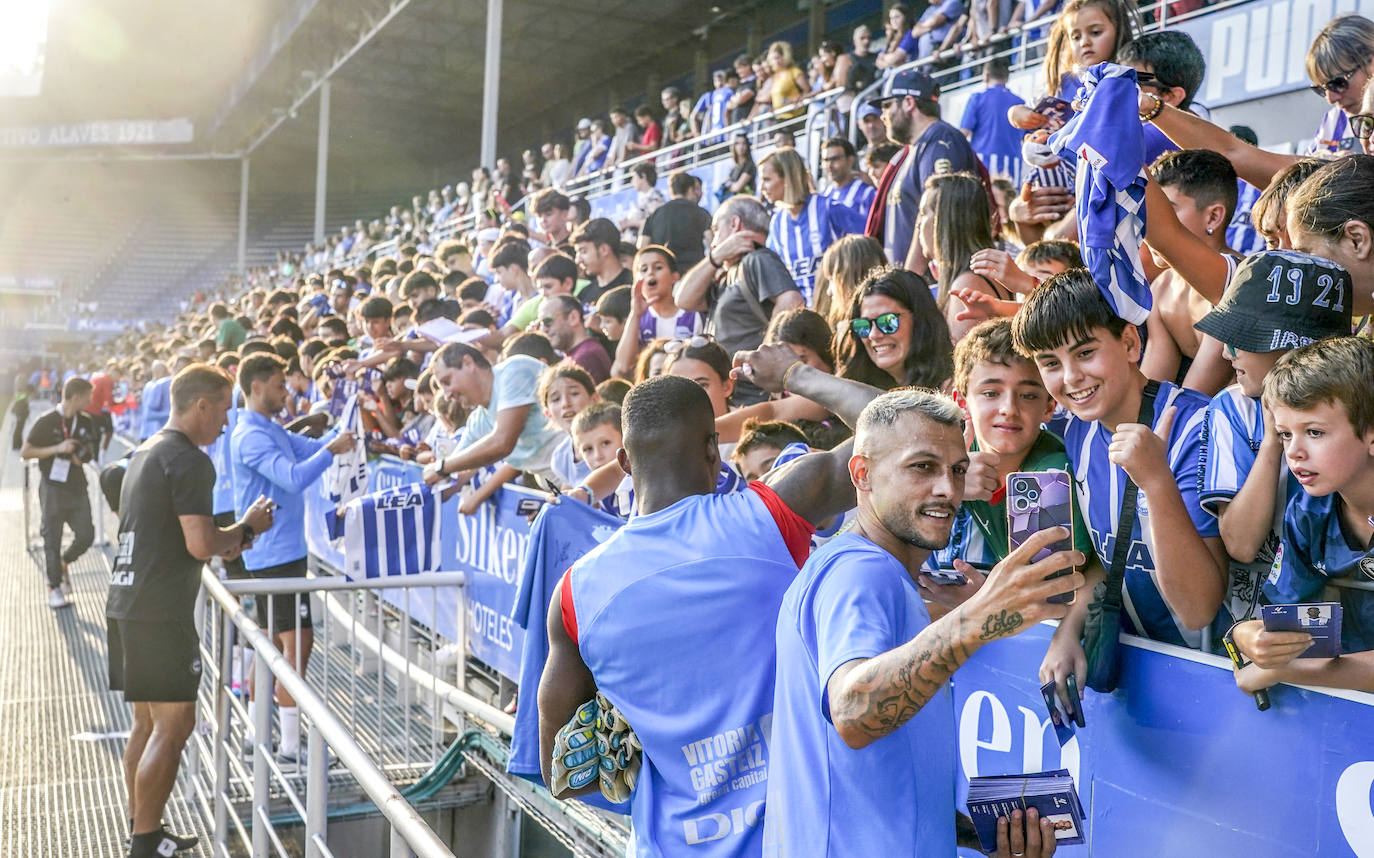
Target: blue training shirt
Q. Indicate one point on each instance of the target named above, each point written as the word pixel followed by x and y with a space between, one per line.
pixel 1318 547
pixel 895 797
pixel 942 148
pixel 995 140
pixel 268 460
pixel 1100 486
pixel 673 616
pixel 156 406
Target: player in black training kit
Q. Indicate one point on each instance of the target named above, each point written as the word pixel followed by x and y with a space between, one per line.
pixel 166 533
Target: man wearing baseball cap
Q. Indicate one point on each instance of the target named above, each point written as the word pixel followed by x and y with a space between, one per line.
pixel 911 111
pixel 1277 300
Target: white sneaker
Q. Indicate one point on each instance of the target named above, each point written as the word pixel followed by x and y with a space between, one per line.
pixel 56 599
pixel 66 585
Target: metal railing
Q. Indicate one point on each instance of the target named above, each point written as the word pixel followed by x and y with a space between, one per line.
pixel 270 793
pixel 702 150
pixel 1018 46
pixel 372 699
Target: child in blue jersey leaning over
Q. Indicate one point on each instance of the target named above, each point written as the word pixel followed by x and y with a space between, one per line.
pixel 1175 572
pixel 1245 484
pixel 1322 398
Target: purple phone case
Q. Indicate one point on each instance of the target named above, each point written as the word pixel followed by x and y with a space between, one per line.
pixel 1037 500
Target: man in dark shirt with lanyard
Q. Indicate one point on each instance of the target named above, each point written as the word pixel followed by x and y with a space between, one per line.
pixel 62 440
pixel 166 533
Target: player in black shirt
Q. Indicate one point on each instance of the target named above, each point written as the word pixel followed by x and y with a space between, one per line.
pixel 166 533
pixel 62 441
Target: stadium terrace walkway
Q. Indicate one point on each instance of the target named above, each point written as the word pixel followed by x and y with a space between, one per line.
pixel 61 731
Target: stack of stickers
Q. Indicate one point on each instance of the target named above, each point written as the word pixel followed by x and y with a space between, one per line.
pixel 1052 794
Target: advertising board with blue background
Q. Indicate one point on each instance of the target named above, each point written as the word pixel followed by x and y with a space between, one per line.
pixel 1176 762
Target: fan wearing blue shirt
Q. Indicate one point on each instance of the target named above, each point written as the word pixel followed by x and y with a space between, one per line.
pixel 863 757
pixel 803 223
pixel 911 113
pixel 671 619
pixel 1245 483
pixel 985 123
pixel 1175 573
pixel 156 404
pixel 847 185
pixel 1322 399
pixel 934 24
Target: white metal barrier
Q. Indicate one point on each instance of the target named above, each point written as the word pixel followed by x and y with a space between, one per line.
pixel 217 772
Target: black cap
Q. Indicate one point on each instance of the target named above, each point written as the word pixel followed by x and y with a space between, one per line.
pixel 1281 299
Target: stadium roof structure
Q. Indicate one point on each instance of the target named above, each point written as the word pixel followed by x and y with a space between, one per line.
pixel 406 75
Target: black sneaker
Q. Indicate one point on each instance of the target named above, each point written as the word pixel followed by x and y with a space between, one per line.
pixel 179 843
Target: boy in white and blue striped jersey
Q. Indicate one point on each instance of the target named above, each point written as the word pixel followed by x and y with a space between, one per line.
pixel 1175 572
pixel 1277 300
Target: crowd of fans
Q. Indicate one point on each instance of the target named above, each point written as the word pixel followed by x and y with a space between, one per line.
pixel 1232 391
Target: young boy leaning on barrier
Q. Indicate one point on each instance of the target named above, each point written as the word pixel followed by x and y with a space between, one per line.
pixel 1245 484
pixel 1322 398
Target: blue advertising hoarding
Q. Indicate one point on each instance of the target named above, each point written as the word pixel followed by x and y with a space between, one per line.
pixel 1178 761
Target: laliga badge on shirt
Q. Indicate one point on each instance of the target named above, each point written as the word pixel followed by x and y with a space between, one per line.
pixel 1092 156
pixel 1277 567
pixel 60 469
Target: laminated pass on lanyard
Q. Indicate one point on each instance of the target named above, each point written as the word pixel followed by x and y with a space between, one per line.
pixel 61 466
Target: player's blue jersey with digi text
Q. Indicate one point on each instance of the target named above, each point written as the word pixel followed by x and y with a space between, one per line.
pixel 1318 547
pixel 800 241
pixel 857 196
pixel 853 600
pixel 392 532
pixel 674 619
pixel 1232 435
pixel 1100 487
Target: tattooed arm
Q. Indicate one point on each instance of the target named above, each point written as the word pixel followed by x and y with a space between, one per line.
pixel 872 697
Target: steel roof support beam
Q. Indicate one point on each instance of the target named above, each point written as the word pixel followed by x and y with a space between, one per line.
pixel 370 28
pixel 491 83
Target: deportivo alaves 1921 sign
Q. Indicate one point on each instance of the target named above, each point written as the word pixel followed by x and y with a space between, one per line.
pixel 114 132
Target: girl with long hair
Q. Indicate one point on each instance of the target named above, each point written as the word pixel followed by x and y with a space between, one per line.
pixel 894 335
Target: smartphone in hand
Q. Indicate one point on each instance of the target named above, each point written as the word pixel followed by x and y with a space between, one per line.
pixel 1037 500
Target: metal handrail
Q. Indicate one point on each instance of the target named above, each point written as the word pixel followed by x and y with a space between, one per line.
pixel 410 833
pixel 702 149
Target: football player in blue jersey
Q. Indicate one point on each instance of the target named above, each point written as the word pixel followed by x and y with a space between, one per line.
pixel 671 618
pixel 1175 572
pixel 1322 398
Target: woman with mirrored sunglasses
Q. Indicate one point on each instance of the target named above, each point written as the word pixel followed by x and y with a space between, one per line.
pixel 895 335
pixel 1339 64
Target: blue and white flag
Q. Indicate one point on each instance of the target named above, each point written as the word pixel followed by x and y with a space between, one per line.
pixel 1107 139
pixel 392 532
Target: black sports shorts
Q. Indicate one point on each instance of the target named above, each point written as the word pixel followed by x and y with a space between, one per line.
pixel 285 606
pixel 154 662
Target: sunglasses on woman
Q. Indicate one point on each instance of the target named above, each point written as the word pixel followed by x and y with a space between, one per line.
pixel 1338 84
pixel 887 323
pixel 1362 125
